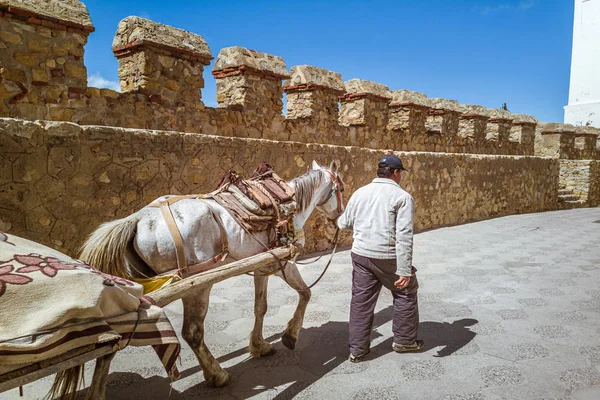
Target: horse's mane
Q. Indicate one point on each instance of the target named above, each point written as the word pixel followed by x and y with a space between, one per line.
pixel 304 186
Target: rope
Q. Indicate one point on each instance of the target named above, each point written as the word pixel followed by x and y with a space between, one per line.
pixel 335 240
pixel 133 331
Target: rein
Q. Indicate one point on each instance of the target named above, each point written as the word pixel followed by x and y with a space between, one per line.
pixel 335 243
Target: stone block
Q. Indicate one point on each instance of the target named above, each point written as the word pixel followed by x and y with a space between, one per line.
pixel 308 75
pixel 498 114
pixel 409 98
pixel 240 59
pixel 160 61
pixel 61 114
pixel 523 119
pixel 9 37
pixel 39 74
pixel 13 74
pixel 27 59
pixel 474 110
pixel 363 87
pixel 135 31
pixel 72 11
pixel 76 70
pixel 444 105
pixel 313 93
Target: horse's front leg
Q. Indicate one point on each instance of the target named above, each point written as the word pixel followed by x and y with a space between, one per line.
pixel 294 279
pixel 195 307
pixel 258 346
pixel 97 389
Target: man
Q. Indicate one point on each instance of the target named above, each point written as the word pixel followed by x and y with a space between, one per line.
pixel 381 217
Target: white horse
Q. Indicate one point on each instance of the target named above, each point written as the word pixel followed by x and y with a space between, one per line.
pixel 141 244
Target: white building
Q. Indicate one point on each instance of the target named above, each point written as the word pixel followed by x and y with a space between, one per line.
pixel 584 91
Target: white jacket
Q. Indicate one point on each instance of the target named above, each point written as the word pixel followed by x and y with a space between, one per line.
pixel 381 217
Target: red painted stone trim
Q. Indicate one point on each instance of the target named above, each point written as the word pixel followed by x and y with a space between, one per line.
pixel 364 95
pixel 139 45
pixel 409 104
pixel 500 121
pixel 568 133
pixel 439 111
pixel 473 116
pixel 44 20
pixel 244 69
pixel 524 123
pixel 310 87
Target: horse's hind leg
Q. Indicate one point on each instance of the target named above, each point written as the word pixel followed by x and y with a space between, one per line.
pixel 258 346
pixel 294 279
pixel 195 307
pixel 97 389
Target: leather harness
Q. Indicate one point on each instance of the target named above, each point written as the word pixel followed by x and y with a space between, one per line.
pixel 183 269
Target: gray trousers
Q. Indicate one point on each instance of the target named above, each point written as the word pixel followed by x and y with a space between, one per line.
pixel 368 276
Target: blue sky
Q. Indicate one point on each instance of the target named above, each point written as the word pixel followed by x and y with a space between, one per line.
pixel 485 52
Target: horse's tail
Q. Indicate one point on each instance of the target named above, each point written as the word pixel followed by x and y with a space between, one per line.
pixel 66 383
pixel 106 247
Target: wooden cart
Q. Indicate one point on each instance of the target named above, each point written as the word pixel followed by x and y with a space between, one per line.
pixel 162 297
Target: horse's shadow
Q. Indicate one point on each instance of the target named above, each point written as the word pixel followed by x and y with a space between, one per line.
pixel 323 350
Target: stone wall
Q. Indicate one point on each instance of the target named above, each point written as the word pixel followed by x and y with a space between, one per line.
pixel 60 180
pixel 566 141
pixel 580 180
pixel 594 192
pixel 42 76
pixel 61 177
pixel 575 177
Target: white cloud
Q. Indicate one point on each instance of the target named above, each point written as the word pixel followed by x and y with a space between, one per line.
pixel 98 81
pixel 492 9
pixel 525 4
pixel 521 5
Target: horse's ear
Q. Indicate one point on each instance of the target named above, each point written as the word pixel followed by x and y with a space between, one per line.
pixel 333 167
pixel 315 165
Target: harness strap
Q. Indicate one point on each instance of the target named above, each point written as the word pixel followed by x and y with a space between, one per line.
pixel 182 267
pixel 206 265
pixel 175 234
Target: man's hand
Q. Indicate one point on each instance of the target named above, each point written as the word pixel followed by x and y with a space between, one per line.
pixel 402 282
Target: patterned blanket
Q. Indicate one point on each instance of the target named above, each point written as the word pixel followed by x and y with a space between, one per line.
pixel 51 303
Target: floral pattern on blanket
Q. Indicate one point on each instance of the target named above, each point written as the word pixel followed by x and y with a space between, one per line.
pixel 13 271
pixel 7 277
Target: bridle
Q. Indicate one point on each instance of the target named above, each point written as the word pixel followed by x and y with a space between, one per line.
pixel 337 190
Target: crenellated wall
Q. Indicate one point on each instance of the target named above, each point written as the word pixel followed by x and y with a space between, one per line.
pixel 160 71
pixel 61 177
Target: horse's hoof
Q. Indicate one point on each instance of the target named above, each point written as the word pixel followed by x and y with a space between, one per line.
pixel 270 352
pixel 220 379
pixel 263 353
pixel 288 341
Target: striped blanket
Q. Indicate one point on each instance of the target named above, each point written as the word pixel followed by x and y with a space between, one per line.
pixel 51 303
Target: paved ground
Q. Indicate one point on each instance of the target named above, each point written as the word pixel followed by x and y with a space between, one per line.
pixel 510 309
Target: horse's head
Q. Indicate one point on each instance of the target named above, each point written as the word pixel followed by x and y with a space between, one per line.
pixel 329 196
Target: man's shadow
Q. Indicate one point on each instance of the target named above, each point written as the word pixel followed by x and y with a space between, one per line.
pixel 321 350
pixel 450 336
